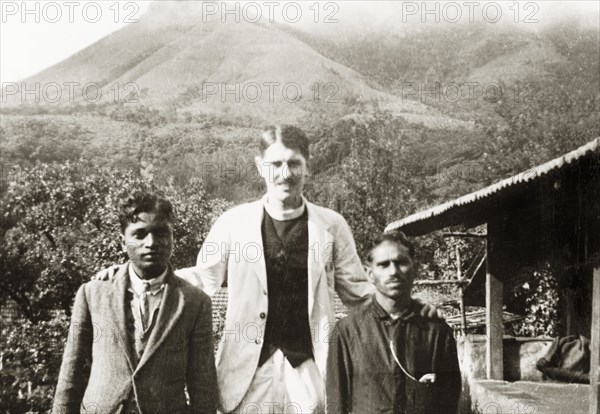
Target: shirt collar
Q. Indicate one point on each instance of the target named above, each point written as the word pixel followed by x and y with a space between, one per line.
pixel 404 315
pixel 137 283
pixel 283 215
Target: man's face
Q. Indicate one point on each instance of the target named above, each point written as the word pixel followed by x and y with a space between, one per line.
pixel 392 270
pixel 149 244
pixel 283 170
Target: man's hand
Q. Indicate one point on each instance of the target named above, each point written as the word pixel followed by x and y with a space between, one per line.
pixel 107 274
pixel 189 274
pixel 428 378
pixel 429 311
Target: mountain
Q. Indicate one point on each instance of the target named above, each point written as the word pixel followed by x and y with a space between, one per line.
pixel 173 51
pixel 177 58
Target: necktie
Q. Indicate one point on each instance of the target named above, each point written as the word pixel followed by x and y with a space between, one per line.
pixel 144 308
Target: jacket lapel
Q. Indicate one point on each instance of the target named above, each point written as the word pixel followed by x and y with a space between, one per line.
pixel 118 308
pixel 170 310
pixel 254 234
pixel 320 252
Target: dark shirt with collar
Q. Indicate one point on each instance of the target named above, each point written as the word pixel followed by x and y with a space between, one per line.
pixel 285 244
pixel 362 376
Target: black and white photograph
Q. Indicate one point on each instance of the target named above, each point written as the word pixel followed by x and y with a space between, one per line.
pixel 323 207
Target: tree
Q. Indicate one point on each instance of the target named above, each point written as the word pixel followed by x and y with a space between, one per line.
pixel 378 181
pixel 544 117
pixel 41 140
pixel 60 226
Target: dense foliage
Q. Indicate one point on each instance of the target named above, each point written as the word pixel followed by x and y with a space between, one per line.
pixel 30 358
pixel 537 298
pixel 60 226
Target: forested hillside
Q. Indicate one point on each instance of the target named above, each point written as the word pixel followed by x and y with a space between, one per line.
pixel 543 105
pixel 397 139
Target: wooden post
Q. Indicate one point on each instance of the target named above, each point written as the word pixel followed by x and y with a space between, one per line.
pixel 463 316
pixel 494 356
pixel 463 312
pixel 595 345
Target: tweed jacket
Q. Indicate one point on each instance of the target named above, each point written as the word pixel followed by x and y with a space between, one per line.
pixel 99 373
pixel 233 251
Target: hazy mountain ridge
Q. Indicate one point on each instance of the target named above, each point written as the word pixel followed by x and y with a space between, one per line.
pixel 171 65
pixel 475 53
pixel 278 77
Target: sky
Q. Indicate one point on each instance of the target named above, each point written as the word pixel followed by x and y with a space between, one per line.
pixel 28 46
pixel 35 35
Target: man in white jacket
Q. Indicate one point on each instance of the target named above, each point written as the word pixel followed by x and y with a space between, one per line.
pixel 283 257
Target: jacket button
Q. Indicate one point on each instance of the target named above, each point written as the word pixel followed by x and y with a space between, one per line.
pixel 257 341
pixel 263 315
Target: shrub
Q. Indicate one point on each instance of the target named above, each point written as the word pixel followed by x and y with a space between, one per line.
pixel 60 227
pixel 30 358
pixel 537 296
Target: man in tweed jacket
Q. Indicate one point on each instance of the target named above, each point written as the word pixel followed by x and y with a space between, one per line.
pixel 137 341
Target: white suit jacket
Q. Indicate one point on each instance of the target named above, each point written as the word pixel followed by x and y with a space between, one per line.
pixel 233 249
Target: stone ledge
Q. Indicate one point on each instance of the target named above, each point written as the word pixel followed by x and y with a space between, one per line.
pixel 488 396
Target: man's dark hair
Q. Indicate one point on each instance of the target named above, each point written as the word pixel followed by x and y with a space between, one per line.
pixel 289 135
pixel 144 202
pixel 394 236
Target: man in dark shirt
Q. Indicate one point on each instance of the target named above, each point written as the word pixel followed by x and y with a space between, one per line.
pixel 385 357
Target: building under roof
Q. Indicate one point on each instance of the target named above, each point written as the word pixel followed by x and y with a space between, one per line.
pixel 548 216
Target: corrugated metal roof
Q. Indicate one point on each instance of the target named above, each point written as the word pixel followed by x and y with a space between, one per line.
pixel 526 176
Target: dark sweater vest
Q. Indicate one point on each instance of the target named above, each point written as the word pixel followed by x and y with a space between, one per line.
pixel 285 245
